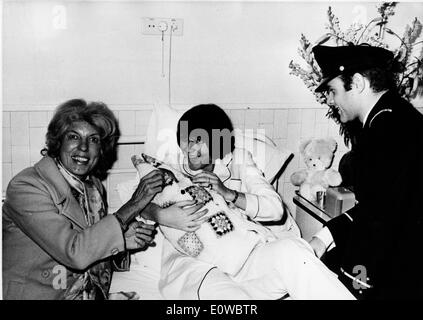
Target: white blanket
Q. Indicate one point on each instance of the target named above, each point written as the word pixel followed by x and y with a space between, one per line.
pixel 225 240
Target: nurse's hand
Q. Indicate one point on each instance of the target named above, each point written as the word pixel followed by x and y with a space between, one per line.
pixel 209 179
pixel 318 246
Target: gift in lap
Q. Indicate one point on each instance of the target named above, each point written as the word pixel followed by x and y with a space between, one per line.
pixel 227 237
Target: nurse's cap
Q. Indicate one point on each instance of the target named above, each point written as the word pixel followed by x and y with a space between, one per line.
pixel 333 61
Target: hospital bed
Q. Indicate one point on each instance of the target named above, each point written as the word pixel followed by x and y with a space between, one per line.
pixel 144 273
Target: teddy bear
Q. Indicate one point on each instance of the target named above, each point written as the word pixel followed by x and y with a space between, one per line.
pixel 318 155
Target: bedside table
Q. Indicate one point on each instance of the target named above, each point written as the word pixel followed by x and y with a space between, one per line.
pixel 309 216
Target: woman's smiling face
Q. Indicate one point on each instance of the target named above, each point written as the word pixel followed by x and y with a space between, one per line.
pixel 81 149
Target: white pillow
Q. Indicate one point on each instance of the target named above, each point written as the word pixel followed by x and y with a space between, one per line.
pixel 161 142
pixel 225 240
pixel 268 158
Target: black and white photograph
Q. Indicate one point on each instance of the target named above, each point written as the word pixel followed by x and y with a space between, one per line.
pixel 211 155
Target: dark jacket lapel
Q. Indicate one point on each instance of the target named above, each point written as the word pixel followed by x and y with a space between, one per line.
pixel 382 105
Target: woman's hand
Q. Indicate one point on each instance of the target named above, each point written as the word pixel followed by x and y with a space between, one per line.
pixel 209 179
pixel 139 235
pixel 148 187
pixel 182 215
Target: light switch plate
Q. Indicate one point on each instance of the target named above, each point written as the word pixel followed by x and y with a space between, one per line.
pixel 162 26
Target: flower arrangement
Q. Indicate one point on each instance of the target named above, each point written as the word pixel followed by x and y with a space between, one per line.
pixel 410 78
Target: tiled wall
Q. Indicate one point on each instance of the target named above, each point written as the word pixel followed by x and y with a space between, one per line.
pixel 287 128
pixel 23 138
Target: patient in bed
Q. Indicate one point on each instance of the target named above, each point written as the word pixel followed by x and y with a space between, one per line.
pixel 232 255
pixel 226 238
pixel 256 263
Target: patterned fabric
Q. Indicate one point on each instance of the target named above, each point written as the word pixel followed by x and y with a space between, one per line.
pixel 168 177
pixel 198 193
pixel 221 224
pixel 94 283
pixel 219 238
pixel 191 244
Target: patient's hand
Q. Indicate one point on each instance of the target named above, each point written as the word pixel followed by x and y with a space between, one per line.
pixel 209 179
pixel 182 215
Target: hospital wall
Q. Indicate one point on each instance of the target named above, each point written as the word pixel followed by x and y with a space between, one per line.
pixel 234 54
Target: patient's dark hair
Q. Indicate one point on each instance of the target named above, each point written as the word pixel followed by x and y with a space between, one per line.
pixel 96 114
pixel 213 120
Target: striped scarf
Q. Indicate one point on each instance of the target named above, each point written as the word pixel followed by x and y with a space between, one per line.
pixel 94 283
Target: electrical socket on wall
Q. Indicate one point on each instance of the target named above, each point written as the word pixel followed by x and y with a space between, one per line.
pixel 160 26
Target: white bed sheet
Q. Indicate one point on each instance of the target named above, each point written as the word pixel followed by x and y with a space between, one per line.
pixel 144 274
pixel 143 281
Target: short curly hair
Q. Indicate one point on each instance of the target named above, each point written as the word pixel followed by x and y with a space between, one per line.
pixel 96 114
